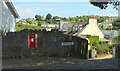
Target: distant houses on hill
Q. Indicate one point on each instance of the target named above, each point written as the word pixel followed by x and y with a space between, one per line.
pixel 49 27
pixel 111 33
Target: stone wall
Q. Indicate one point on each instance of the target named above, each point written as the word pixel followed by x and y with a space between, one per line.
pixel 48 45
pixel 117 54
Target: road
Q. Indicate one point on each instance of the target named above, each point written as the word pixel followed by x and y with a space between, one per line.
pixel 61 63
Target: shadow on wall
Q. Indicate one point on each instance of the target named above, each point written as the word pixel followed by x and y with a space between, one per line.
pixel 47 44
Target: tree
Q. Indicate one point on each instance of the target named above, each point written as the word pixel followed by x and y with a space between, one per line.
pixel 103 4
pixel 117 38
pixel 54 19
pixel 94 40
pixel 64 18
pixel 76 19
pixel 71 19
pixel 39 23
pixel 116 23
pixel 38 17
pixel 82 20
pixel 49 16
pixel 29 21
pixel 85 18
pixel 102 19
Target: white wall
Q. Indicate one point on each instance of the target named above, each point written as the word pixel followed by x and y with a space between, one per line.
pixel 8 19
pixel 92 29
pixel 119 31
pixel 0 14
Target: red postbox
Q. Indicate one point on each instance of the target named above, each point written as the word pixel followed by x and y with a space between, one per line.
pixel 32 41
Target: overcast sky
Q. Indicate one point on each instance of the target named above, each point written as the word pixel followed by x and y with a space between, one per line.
pixel 62 8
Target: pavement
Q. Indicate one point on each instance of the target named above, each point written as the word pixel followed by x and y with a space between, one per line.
pixel 62 63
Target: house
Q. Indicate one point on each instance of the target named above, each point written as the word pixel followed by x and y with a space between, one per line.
pixel 110 33
pixel 49 27
pixel 90 29
pixel 105 25
pixel 107 32
pixel 8 15
pixel 62 22
pixel 73 27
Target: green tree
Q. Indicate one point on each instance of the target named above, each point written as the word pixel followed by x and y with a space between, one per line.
pixel 71 19
pixel 54 19
pixel 76 19
pixel 85 18
pixel 116 23
pixel 38 17
pixel 64 18
pixel 118 38
pixel 94 40
pixel 82 20
pixel 104 4
pixel 102 19
pixel 49 16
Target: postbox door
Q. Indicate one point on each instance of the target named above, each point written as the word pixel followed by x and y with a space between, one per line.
pixel 32 40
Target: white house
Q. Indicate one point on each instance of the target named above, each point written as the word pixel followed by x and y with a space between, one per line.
pixel 91 29
pixel 8 15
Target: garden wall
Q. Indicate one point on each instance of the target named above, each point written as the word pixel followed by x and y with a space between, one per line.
pixel 49 44
pixel 117 51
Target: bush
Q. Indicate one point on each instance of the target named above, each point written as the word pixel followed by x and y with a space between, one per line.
pixel 101 47
pixel 20 27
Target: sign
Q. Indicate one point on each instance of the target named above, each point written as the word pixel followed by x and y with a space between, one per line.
pixel 67 43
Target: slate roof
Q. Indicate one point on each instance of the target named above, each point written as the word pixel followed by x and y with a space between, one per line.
pixel 70 26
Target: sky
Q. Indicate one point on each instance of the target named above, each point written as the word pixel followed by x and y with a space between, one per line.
pixel 62 8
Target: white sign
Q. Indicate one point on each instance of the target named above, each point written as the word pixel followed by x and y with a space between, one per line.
pixel 67 43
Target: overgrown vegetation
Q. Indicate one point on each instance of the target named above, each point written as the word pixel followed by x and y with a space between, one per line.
pixel 116 23
pixel 20 27
pixel 3 32
pixel 101 47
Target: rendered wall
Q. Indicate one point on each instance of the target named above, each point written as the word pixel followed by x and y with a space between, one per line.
pixel 8 19
pixel 0 13
pixel 92 29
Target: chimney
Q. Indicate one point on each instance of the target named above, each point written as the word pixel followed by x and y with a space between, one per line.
pixel 92 17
